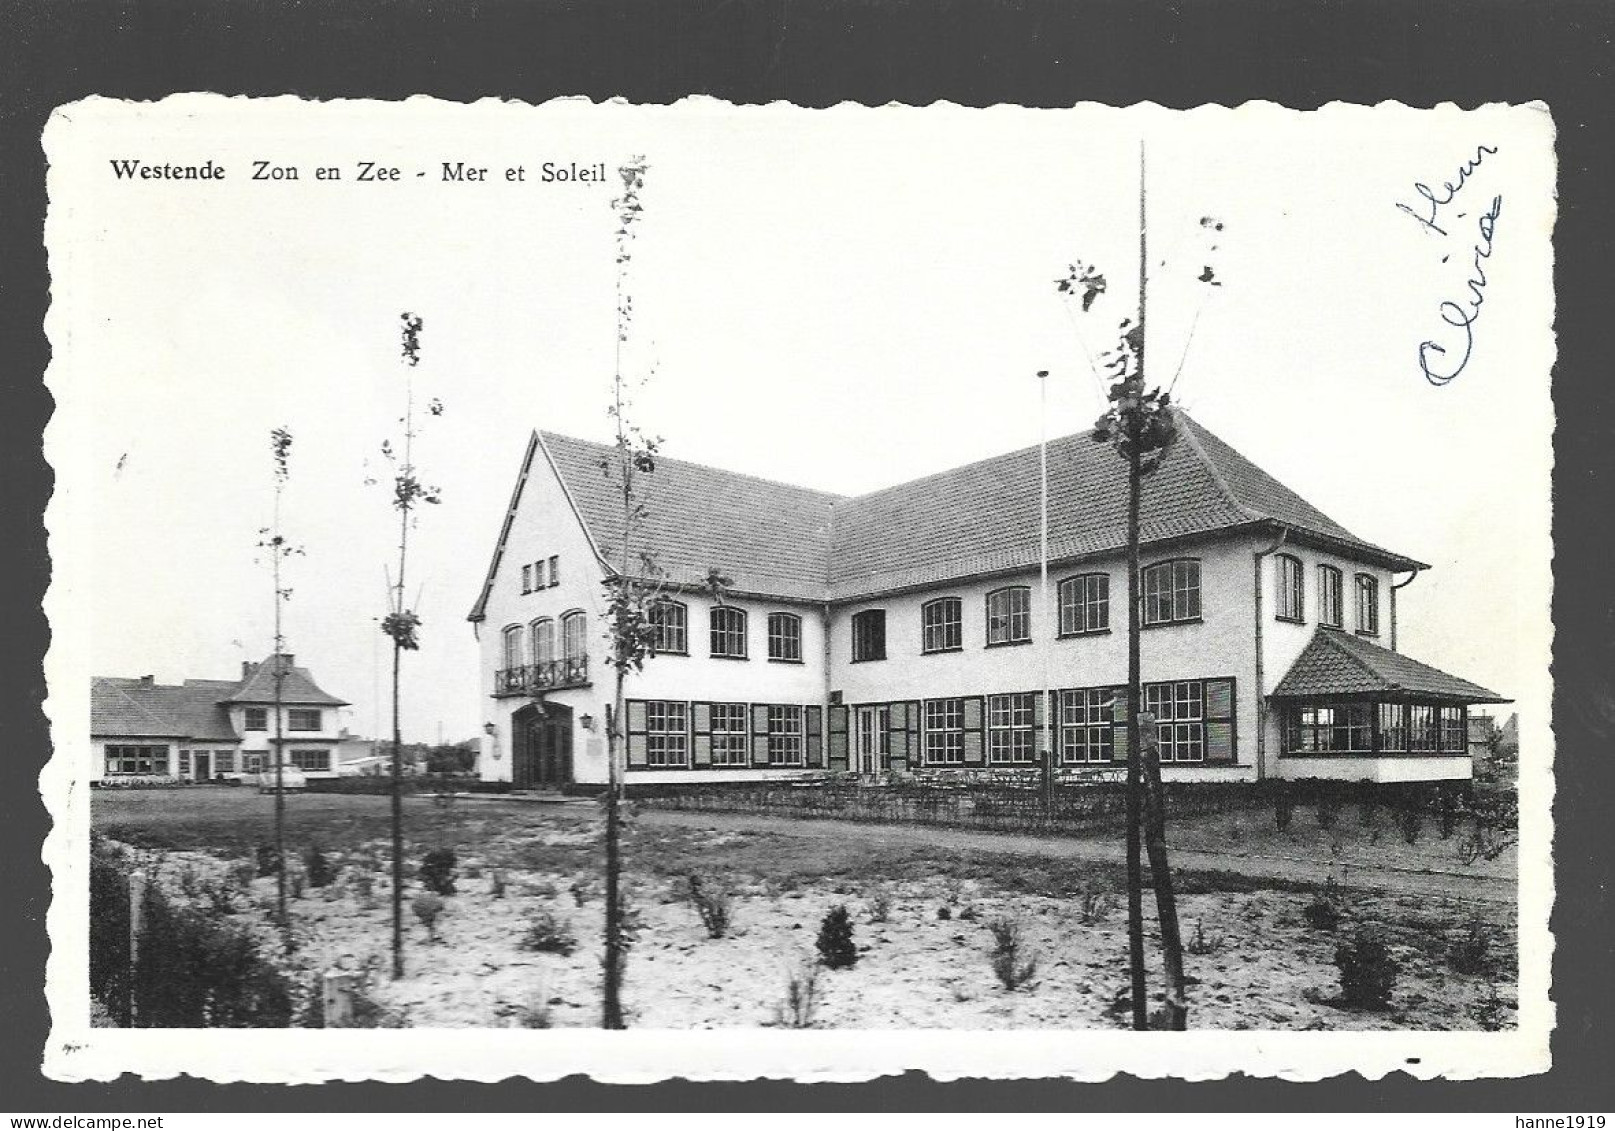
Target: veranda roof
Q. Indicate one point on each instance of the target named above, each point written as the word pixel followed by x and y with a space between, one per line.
pixel 1336 663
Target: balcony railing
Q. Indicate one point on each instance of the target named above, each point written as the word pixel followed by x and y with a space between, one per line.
pixel 552 675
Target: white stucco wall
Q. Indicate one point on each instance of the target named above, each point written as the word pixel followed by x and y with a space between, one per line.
pixel 1221 644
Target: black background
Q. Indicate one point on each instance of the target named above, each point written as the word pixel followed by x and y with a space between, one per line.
pixel 1300 54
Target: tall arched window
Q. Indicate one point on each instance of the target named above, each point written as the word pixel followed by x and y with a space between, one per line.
pixel 1329 596
pixel 1367 604
pixel 785 637
pixel 1172 591
pixel 728 632
pixel 573 625
pixel 1009 615
pixel 513 647
pixel 1291 602
pixel 543 632
pixel 669 622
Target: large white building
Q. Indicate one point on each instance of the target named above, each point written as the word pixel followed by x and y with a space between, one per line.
pixel 208 729
pixel 902 629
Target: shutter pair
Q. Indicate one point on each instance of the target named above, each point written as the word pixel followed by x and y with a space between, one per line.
pixel 1219 722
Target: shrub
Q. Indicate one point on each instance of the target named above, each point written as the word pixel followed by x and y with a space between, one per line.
pixel 548 934
pixel 1011 961
pixel 268 859
pixel 1096 907
pixel 496 883
pixel 1328 809
pixel 535 1013
pixel 1367 971
pixel 437 871
pixel 944 912
pixel 713 904
pixel 1410 821
pixel 1450 811
pixel 320 872
pixel 880 905
pixel 1367 812
pixel 1283 810
pixel 836 948
pixel 582 892
pixel 243 872
pixel 1200 944
pixel 294 882
pixel 801 1000
pixel 428 909
pixel 364 888
pixel 1491 1011
pixel 1322 913
pixel 1471 953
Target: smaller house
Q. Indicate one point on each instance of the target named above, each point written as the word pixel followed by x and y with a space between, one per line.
pixel 210 729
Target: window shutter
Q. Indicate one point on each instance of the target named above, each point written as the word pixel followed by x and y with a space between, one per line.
pixel 838 737
pixel 1118 728
pixel 813 726
pixel 636 734
pixel 1220 721
pixel 759 734
pixel 897 738
pixel 1040 710
pixel 973 749
pixel 701 726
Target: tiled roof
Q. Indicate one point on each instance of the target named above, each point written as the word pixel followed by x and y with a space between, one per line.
pixel 128 708
pixel 1338 663
pixel 297 688
pixel 770 538
pixel 790 542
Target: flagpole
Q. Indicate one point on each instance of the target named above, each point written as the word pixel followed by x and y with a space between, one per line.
pixel 1047 628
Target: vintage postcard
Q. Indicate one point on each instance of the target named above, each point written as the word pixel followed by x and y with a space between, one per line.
pixel 724 591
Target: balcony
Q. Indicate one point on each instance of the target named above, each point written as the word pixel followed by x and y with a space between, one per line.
pixel 552 675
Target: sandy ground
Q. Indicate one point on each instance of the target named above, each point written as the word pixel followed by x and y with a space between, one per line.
pixel 926 965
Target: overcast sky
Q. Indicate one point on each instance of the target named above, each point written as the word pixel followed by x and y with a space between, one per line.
pixel 843 299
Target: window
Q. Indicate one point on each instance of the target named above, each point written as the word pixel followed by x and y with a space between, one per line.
pixel 252 762
pixel 730 735
pixel 1329 596
pixel 944 732
pixel 1085 604
pixel 1179 712
pixel 728 631
pixel 305 719
pixel 1421 729
pixel 555 570
pixel 224 761
pixel 1393 728
pixel 527 579
pixel 573 626
pixel 869 635
pixel 317 761
pixel 184 764
pixel 1172 592
pixel 669 622
pixel 1454 731
pixel 1010 722
pixel 137 759
pixel 1291 595
pixel 1336 729
pixel 785 637
pixel 1085 725
pixel 941 625
pixel 257 718
pixel 1367 605
pixel 1009 615
pixel 785 736
pixel 543 633
pixel 513 646
pixel 538 574
pixel 667 733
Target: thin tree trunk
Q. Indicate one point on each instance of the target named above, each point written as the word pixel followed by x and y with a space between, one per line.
pixel 1135 869
pixel 1166 904
pixel 398 823
pixel 611 1004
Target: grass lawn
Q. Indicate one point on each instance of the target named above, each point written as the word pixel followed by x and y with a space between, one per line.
pixel 920 917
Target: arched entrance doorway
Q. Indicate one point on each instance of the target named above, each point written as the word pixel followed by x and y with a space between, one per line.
pixel 542 758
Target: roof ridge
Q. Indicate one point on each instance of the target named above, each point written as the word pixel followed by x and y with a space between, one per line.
pixel 1189 430
pixel 830 495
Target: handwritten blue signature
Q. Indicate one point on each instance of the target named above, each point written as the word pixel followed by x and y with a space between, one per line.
pixel 1446 364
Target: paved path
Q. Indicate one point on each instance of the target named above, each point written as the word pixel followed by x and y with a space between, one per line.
pixel 1400 881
